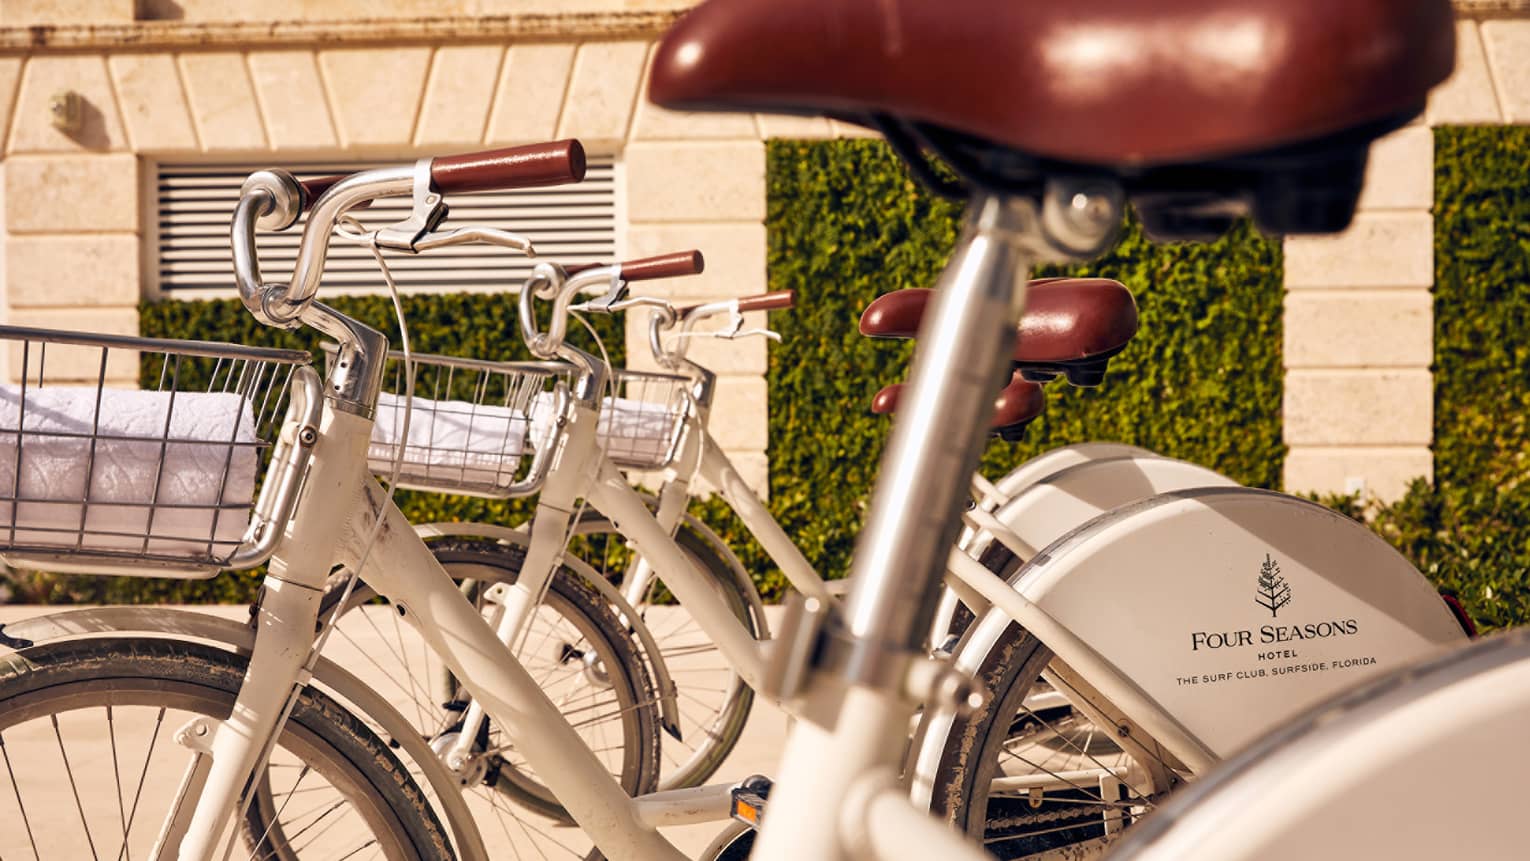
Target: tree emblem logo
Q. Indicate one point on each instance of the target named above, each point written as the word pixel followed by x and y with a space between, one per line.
pixel 1274 592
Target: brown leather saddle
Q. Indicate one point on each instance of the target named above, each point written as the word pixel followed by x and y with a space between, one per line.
pixel 1071 327
pixel 1018 404
pixel 1202 109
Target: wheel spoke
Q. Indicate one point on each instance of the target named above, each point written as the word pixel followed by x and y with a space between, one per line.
pixel 159 721
pixel 73 787
pixel 25 820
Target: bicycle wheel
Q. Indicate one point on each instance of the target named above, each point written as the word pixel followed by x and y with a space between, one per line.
pixel 577 649
pixel 1029 773
pixel 714 702
pixel 92 766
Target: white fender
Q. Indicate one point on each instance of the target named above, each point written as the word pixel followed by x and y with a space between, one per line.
pixel 1211 615
pixel 1081 483
pixel 1047 463
pixel 1058 503
pixel 664 685
pixel 1426 763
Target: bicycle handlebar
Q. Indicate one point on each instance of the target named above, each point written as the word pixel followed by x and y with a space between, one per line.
pixel 533 166
pixel 763 302
pixel 663 266
pixel 313 189
pixel 676 265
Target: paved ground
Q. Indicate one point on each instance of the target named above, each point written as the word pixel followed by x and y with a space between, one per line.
pixel 81 748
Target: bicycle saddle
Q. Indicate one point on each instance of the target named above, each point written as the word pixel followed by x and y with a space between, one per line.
pixel 1017 405
pixel 1202 109
pixel 1071 326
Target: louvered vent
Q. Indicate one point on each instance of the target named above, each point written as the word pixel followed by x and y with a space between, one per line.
pixel 569 224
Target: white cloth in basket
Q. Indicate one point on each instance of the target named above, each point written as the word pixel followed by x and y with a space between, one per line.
pixel 458 443
pixel 451 442
pixel 203 469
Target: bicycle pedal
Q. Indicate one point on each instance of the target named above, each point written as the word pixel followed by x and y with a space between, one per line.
pixel 748 805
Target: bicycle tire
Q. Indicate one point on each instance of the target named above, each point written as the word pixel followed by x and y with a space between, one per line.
pixel 978 747
pixel 65 682
pixel 709 733
pixel 476 564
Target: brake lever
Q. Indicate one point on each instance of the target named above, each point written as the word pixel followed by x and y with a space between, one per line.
pixel 428 212
pixel 732 330
pixel 472 234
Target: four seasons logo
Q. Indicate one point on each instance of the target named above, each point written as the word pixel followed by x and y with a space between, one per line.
pixel 1273 592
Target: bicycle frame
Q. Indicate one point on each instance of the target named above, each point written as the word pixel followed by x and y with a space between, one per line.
pixel 344 517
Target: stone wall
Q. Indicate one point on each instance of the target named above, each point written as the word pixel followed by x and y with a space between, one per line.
pixel 1358 408
pixel 78 206
pixel 1359 327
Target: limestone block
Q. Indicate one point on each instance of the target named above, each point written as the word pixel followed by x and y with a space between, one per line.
pixel 64 194
pixel 222 101
pixel 602 90
pixel 71 271
pixel 1508 56
pixel 532 86
pixel 1359 329
pixel 459 95
pixel 1380 249
pixel 1377 473
pixel 10 74
pixel 853 130
pixel 739 413
pixel 698 182
pixel 655 123
pixel 32 127
pixel 1467 96
pixel 153 102
pixel 27 13
pixel 292 102
pixel 1400 173
pixel 741 356
pixel 1359 407
pixel 375 93
pixel 77 364
pixel 734 253
pixel 798 128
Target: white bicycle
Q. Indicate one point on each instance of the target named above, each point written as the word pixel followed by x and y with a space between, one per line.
pixel 858 672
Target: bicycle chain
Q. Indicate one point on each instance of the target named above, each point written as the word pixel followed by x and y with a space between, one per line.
pixel 1074 812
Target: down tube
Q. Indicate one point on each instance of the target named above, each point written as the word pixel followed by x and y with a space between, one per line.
pixel 631 516
pixel 402 568
pixel 717 469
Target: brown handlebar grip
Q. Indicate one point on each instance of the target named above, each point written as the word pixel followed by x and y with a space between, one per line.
pixel 555 163
pixel 313 189
pixel 664 266
pixel 762 302
pixel 768 301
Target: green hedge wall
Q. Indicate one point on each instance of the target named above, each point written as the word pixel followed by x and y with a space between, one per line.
pixel 463 324
pixel 1470 531
pixel 1201 381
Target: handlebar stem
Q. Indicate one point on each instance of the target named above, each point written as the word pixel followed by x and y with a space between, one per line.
pixel 355 379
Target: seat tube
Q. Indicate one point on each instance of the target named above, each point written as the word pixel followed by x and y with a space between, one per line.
pixel 961 361
pixel 855 715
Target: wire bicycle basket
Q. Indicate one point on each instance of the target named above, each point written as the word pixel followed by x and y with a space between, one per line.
pixel 99 477
pixel 477 427
pixel 643 426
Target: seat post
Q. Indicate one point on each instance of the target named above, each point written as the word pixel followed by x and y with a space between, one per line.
pixel 855 715
pixel 961 360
